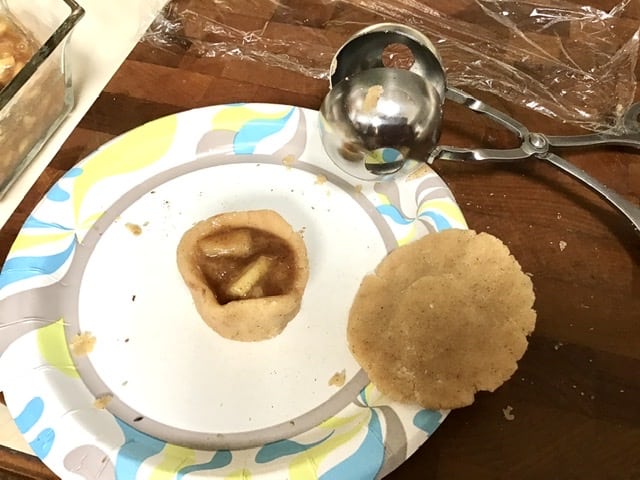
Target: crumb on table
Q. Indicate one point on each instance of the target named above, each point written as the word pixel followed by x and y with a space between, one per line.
pixel 507 412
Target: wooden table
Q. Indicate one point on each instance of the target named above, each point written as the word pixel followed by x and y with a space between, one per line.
pixel 576 394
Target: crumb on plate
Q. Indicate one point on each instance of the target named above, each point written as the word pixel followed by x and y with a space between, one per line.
pixel 338 378
pixel 82 343
pixel 134 228
pixel 289 160
pixel 102 401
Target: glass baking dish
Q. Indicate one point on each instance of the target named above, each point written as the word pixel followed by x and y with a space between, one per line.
pixel 35 78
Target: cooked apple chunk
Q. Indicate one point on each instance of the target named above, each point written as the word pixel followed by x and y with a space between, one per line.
pixel 246 272
pixel 233 242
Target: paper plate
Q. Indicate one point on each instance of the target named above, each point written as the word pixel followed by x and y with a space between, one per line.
pixel 160 395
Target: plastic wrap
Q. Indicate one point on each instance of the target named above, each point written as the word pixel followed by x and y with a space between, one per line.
pixel 571 62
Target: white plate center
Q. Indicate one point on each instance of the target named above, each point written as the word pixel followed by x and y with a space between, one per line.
pixel 158 356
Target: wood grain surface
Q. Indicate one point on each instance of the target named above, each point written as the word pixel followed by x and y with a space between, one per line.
pixel 576 394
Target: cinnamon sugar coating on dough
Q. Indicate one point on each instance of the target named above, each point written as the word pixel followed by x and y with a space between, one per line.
pixel 442 318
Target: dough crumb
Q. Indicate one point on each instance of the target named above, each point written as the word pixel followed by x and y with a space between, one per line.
pixel 507 412
pixel 338 378
pixel 562 244
pixel 320 179
pixel 372 97
pixel 102 401
pixel 421 171
pixel 82 343
pixel 288 161
pixel 134 228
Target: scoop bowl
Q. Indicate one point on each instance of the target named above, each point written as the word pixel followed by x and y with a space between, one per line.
pixel 375 118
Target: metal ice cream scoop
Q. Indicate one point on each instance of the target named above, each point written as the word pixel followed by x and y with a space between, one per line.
pixel 376 118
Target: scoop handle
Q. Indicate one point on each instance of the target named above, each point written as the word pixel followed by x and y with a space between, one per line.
pixel 629 210
pixel 629 136
pixel 625 140
pixel 534 144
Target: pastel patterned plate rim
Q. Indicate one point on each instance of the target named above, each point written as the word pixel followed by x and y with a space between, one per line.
pixel 126 205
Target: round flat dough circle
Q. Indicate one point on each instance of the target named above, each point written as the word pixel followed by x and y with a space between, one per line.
pixel 442 318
